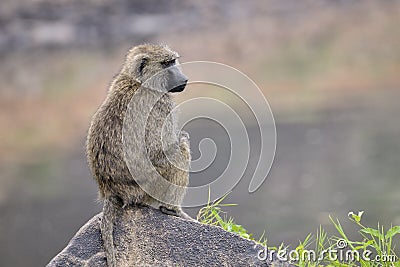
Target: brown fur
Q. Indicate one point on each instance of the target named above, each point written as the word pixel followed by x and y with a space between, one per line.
pixel 105 146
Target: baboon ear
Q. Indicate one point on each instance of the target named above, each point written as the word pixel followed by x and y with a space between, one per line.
pixel 139 62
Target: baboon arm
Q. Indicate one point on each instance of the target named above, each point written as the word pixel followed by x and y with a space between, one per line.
pixel 177 156
pixel 184 145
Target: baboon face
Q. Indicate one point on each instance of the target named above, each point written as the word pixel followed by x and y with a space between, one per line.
pixel 156 67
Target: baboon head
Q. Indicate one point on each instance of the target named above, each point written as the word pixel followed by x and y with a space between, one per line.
pixel 155 67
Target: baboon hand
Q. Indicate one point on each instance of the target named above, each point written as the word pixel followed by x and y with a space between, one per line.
pixel 184 141
pixel 184 136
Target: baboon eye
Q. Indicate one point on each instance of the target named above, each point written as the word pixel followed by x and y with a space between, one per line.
pixel 168 63
pixel 142 64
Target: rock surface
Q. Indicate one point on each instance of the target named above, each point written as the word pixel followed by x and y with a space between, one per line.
pixel 147 237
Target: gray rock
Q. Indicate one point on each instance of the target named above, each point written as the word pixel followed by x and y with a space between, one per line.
pixel 146 237
pixel 85 248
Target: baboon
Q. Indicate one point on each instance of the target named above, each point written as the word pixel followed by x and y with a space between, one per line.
pixel 150 72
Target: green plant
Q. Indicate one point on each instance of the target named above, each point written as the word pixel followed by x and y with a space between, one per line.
pixel 212 214
pixel 324 250
pixel 379 242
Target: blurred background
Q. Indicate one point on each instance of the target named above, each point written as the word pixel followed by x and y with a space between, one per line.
pixel 329 69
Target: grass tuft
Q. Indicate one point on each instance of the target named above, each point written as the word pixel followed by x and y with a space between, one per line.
pixel 321 249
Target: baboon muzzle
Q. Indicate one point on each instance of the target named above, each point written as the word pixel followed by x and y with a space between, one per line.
pixel 178 88
pixel 177 80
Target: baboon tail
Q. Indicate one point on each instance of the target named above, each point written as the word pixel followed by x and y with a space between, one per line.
pixel 107 229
